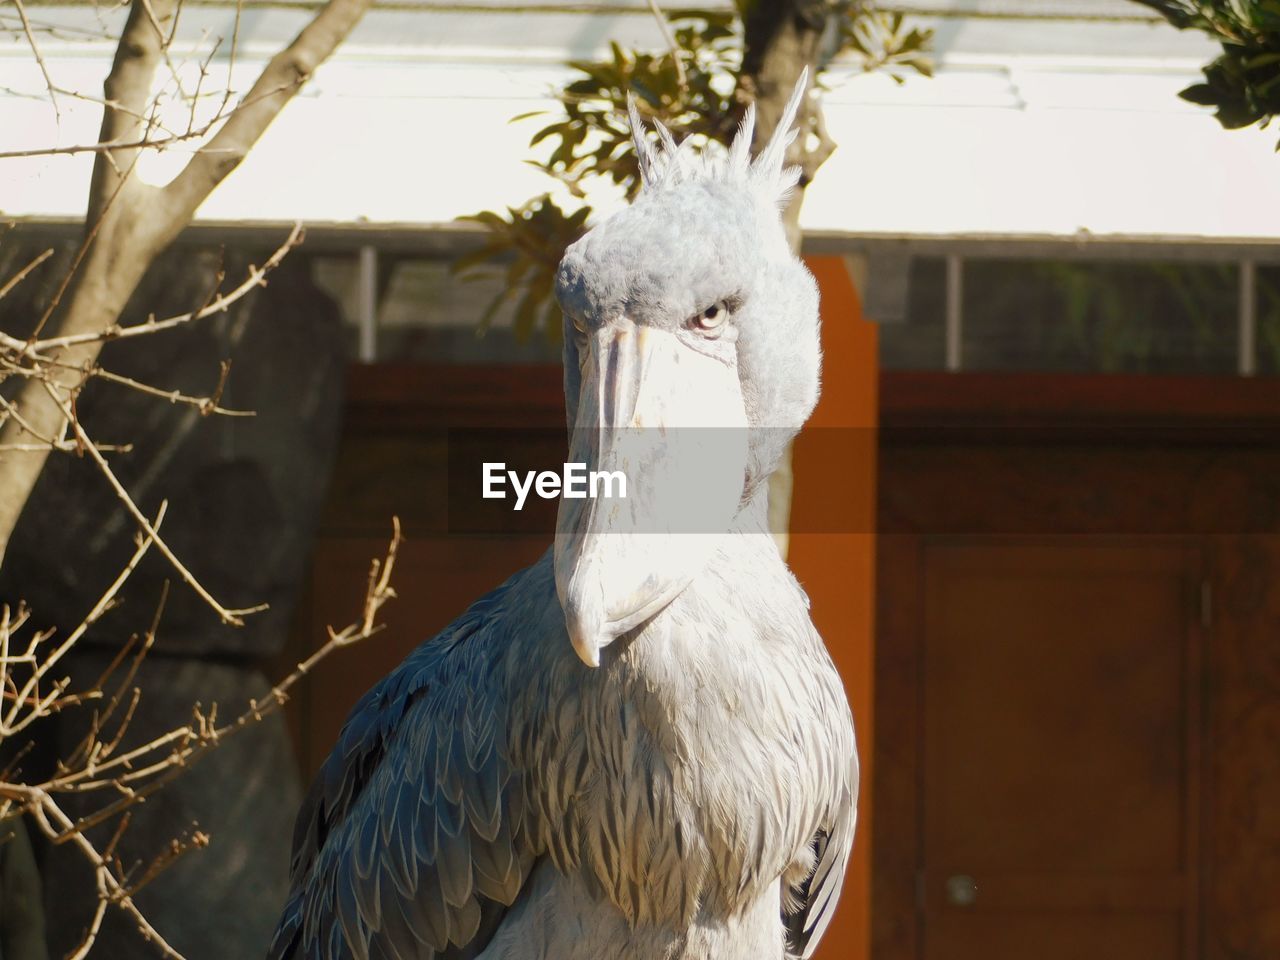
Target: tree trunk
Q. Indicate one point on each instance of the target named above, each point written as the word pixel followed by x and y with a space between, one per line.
pixel 782 39
pixel 129 223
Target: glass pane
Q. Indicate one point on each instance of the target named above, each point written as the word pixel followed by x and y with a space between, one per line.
pixel 339 277
pixel 919 342
pixel 1269 320
pixel 428 313
pixel 1107 317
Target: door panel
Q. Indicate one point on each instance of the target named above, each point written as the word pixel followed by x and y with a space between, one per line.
pixel 1053 935
pixel 1060 749
pixel 436 579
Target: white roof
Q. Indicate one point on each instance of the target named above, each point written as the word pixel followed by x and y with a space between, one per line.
pixel 1031 125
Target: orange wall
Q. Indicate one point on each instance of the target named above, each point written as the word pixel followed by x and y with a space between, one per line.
pixel 832 551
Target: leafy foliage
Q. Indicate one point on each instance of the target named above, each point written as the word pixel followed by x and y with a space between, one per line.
pixel 1139 316
pixel 534 237
pixel 885 43
pixel 691 89
pixel 695 100
pixel 1243 84
pixel 1269 319
pixel 1111 316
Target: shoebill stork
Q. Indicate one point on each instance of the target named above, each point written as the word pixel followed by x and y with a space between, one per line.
pixel 637 748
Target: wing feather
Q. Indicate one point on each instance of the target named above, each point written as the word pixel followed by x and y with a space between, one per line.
pixel 412 841
pixel 821 891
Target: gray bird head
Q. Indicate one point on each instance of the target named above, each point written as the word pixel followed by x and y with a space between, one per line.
pixel 691 360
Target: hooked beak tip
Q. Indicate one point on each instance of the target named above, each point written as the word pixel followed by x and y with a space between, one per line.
pixel 585 637
pixel 588 650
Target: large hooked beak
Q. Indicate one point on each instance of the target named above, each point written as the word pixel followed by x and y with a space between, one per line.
pixel 671 420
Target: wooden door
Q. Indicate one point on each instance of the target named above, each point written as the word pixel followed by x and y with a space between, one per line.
pixel 406 431
pixel 1060 717
pixel 436 579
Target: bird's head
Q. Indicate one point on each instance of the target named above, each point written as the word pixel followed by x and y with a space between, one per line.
pixel 691 360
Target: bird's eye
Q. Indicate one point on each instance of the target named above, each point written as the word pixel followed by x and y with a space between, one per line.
pixel 713 317
pixel 579 338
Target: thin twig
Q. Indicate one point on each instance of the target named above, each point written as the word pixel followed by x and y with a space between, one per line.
pixel 256 278
pixel 63 446
pixel 53 822
pixel 90 936
pixel 191 741
pixel 21 275
pixel 35 51
pixel 99 608
pixel 165 42
pixel 231 57
pixel 665 27
pixel 227 616
pixel 204 72
pixel 140 772
pixel 206 405
pixel 11 410
pixel 177 847
pixel 145 142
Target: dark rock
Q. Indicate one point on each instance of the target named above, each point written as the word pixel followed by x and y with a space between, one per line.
pixel 22 927
pixel 216 903
pixel 244 500
pixel 244 493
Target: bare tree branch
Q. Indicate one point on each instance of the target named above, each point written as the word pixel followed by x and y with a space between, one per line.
pixel 131 221
pixel 65 446
pixel 282 78
pixel 674 47
pixel 228 616
pixel 128 223
pixel 129 85
pixel 13 721
pixel 86 244
pixel 35 51
pixel 206 405
pixel 22 274
pixel 148 141
pixel 131 776
pixel 256 277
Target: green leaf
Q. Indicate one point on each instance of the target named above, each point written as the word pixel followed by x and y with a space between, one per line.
pixel 553 321
pixel 1261 60
pixel 1233 117
pixel 516 271
pixel 475 258
pixel 486 217
pixel 486 318
pixel 526 314
pixel 555 129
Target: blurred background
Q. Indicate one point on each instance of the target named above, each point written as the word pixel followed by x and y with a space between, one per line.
pixel 1037 510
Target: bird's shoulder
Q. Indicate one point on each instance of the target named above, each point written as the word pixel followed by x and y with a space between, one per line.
pixel 463 661
pixel 413 828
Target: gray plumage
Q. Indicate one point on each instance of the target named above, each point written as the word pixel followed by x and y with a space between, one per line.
pixel 693 796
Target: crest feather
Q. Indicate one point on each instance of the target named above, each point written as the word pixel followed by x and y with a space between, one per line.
pixel 768 165
pixel 671 163
pixel 740 151
pixel 668 141
pixel 644 151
